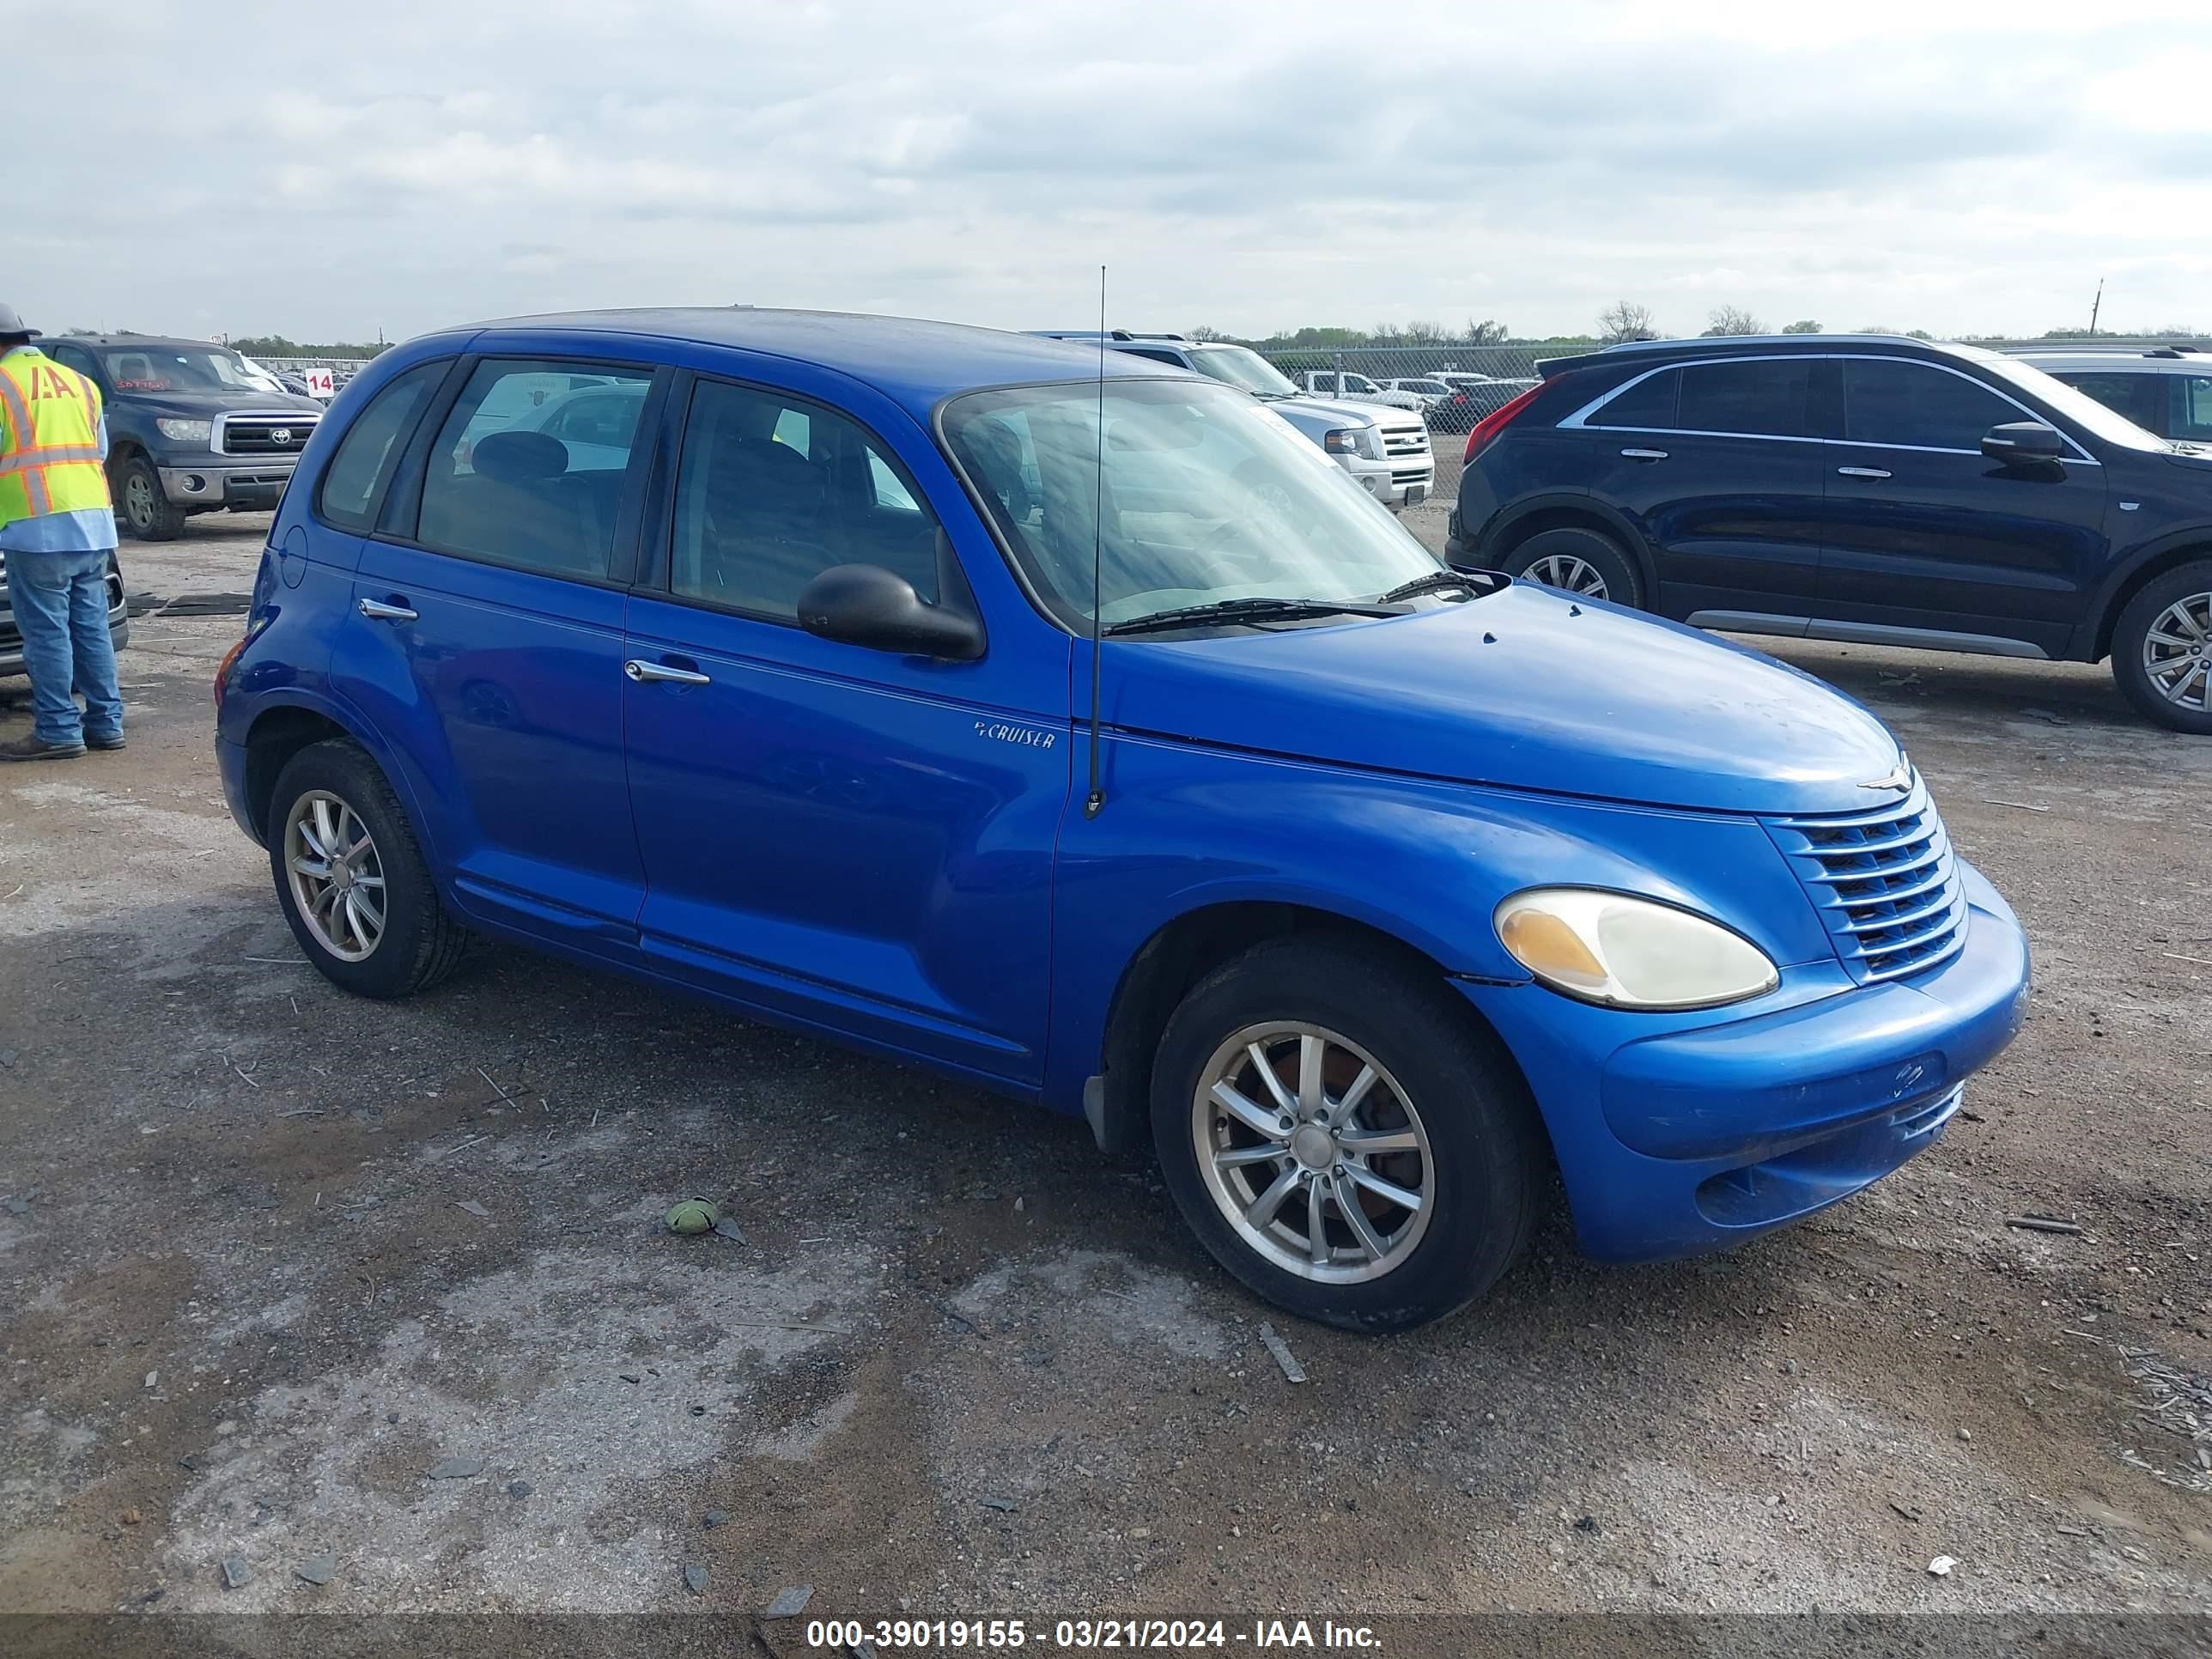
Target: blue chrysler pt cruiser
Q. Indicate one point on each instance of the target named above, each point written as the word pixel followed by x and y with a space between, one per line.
pixel 750 653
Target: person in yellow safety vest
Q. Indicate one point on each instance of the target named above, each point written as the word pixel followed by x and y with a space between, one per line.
pixel 57 536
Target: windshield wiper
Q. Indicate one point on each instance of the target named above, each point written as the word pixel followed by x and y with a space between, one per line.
pixel 1242 611
pixel 1435 582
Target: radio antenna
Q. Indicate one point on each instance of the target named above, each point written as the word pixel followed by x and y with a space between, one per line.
pixel 1096 801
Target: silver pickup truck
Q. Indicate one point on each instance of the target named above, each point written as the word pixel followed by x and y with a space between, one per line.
pixel 1385 450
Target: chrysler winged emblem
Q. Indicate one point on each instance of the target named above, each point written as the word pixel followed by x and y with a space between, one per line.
pixel 1899 779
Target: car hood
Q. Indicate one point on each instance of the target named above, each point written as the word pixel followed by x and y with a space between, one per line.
pixel 1524 690
pixel 1330 410
pixel 218 402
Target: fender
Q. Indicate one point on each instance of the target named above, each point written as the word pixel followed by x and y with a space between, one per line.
pixel 350 720
pixel 1421 861
pixel 2092 638
pixel 1625 530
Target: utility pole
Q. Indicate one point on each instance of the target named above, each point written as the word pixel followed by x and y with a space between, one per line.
pixel 2095 307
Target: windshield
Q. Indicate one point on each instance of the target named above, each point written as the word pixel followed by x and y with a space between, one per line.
pixel 182 368
pixel 1204 496
pixel 1241 365
pixel 1426 388
pixel 2075 405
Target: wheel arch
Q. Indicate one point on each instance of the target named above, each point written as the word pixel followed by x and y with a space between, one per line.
pixel 1516 524
pixel 2186 549
pixel 1177 955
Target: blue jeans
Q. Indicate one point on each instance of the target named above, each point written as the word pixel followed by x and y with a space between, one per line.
pixel 60 601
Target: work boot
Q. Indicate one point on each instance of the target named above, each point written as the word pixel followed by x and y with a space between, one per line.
pixel 31 749
pixel 115 742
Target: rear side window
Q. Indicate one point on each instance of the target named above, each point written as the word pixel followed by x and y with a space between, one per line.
pixel 1918 407
pixel 371 446
pixel 2190 412
pixel 1762 398
pixel 2124 394
pixel 1649 403
pixel 506 480
pixel 771 493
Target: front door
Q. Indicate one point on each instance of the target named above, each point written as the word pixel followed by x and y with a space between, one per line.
pixel 841 837
pixel 1716 462
pixel 1925 532
pixel 486 645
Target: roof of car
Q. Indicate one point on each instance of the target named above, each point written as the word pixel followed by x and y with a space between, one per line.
pixel 2143 360
pixel 155 342
pixel 1730 345
pixel 916 362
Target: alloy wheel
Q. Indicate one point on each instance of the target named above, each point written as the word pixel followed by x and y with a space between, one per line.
pixel 2177 653
pixel 1568 574
pixel 1313 1152
pixel 138 499
pixel 337 878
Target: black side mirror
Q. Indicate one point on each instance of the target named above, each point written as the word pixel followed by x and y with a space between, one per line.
pixel 868 606
pixel 2024 441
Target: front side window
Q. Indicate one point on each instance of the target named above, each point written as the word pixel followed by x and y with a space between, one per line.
pixel 2189 416
pixel 2122 394
pixel 1204 496
pixel 1916 407
pixel 1761 397
pixel 498 486
pixel 371 447
pixel 770 493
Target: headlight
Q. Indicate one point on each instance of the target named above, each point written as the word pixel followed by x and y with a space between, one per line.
pixel 186 432
pixel 1630 952
pixel 1345 442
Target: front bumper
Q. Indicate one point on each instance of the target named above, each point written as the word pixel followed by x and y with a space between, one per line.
pixel 1695 1137
pixel 1396 483
pixel 257 486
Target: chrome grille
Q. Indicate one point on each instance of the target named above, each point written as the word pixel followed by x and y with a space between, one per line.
pixel 1884 881
pixel 284 435
pixel 1403 442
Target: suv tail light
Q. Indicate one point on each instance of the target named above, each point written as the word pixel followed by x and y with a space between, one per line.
pixel 1496 421
pixel 229 661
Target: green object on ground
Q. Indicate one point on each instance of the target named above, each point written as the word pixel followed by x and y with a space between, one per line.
pixel 693 1215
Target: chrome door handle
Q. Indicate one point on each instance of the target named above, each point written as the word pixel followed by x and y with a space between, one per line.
pixel 1861 473
pixel 377 610
pixel 1644 454
pixel 641 671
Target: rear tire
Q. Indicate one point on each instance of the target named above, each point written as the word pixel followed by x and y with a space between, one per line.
pixel 1444 1118
pixel 1583 562
pixel 2158 665
pixel 141 504
pixel 351 878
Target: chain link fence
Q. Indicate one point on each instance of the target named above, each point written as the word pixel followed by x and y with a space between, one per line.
pixel 1451 387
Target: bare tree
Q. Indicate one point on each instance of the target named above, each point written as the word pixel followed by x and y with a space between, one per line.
pixel 1807 327
pixel 1486 332
pixel 1623 320
pixel 1423 334
pixel 1732 319
pixel 1202 332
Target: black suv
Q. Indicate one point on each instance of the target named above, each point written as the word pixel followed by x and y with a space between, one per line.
pixel 1865 488
pixel 191 428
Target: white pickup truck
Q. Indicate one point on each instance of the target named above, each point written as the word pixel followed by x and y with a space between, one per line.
pixel 1386 451
pixel 1344 385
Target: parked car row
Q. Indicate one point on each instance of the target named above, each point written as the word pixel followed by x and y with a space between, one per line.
pixel 1047 714
pixel 1867 488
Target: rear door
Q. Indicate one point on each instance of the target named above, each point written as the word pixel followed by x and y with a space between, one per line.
pixel 1716 462
pixel 1925 533
pixel 485 643
pixel 843 836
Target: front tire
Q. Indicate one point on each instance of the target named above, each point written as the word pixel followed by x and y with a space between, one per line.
pixel 1581 563
pixel 143 506
pixel 2162 649
pixel 1343 1138
pixel 351 878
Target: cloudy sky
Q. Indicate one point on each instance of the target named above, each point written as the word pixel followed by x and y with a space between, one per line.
pixel 325 172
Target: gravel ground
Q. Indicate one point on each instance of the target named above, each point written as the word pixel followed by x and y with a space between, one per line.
pixel 270 1256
